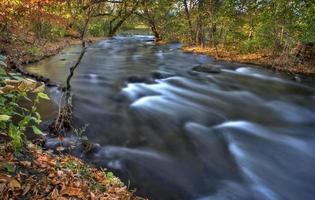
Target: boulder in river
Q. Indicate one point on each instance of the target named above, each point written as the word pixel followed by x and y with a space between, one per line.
pixel 207 68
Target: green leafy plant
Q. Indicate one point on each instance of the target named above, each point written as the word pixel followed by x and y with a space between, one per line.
pixel 80 131
pixel 15 118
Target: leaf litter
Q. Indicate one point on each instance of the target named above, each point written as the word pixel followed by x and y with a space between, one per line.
pixel 42 175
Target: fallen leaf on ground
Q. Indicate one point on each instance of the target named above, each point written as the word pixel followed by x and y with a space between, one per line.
pixel 5 178
pixel 72 192
pixel 14 184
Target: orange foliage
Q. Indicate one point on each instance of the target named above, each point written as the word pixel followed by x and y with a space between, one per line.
pixel 21 13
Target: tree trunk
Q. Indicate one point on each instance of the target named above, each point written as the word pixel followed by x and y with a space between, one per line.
pixel 123 18
pixel 200 25
pixel 113 30
pixel 191 29
pixel 155 31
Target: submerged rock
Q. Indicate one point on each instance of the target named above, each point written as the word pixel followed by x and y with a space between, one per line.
pixel 138 79
pixel 160 75
pixel 207 68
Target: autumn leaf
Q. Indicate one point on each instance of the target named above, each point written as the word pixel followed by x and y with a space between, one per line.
pixel 26 163
pixel 4 178
pixel 72 192
pixel 14 184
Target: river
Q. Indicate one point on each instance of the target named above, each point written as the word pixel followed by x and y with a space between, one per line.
pixel 174 133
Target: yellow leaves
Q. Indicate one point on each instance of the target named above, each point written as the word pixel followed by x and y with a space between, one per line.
pixel 41 88
pixel 24 85
pixel 7 89
pixel 5 118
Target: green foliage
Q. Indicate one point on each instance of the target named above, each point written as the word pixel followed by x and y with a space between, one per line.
pixel 8 167
pixel 36 130
pixel 4 118
pixel 246 26
pixel 43 96
pixel 46 30
pixel 80 131
pixel 110 175
pixel 97 29
pixel 57 32
pixel 42 29
pixel 33 50
pixel 15 119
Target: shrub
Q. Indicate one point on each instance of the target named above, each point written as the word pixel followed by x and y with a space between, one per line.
pixel 14 118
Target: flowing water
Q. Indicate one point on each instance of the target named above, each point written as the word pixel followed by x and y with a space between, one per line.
pixel 173 133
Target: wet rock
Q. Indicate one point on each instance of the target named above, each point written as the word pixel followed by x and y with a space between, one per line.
pixel 160 75
pixel 119 98
pixel 89 148
pixel 33 75
pixel 138 79
pixel 207 68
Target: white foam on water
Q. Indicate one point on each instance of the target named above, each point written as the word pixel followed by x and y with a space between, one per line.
pixel 149 101
pixel 93 78
pixel 255 129
pixel 115 152
pixel 160 54
pixel 292 113
pixel 245 164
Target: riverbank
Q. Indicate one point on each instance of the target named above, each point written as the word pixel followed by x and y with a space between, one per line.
pixel 32 173
pixel 264 60
pixel 38 174
pixel 27 52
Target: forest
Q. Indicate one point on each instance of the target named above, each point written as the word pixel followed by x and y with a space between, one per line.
pixel 282 31
pixel 260 56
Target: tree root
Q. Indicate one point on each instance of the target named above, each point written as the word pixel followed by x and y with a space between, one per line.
pixel 63 122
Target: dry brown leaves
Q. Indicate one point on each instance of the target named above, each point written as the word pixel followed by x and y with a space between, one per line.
pixel 263 59
pixel 24 85
pixel 62 177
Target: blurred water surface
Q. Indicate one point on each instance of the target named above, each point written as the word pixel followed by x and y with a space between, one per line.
pixel 244 133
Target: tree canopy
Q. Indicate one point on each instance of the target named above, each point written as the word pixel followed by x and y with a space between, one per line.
pixel 246 25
